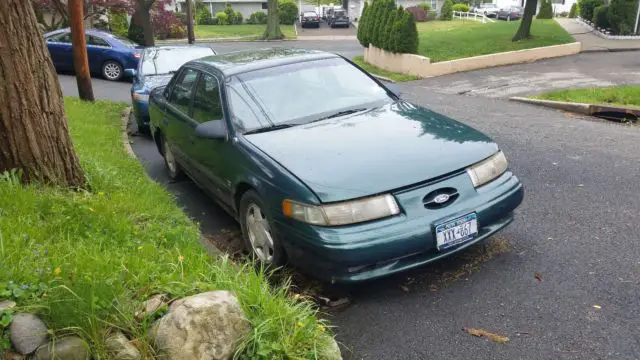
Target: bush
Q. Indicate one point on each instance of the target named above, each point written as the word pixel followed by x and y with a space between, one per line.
pixel 177 31
pixel 135 32
pixel 166 24
pixel 574 11
pixel 600 17
pixel 432 15
pixel 203 17
pixel 182 17
pixel 393 41
pixel 222 18
pixel 461 7
pixel 587 7
pixel 363 39
pixel 622 16
pixel 405 33
pixel 118 23
pixel 546 10
pixel 424 6
pixel 446 13
pixel 288 12
pixel 419 14
pixel 387 20
pixel 231 14
pixel 257 18
pixel 238 18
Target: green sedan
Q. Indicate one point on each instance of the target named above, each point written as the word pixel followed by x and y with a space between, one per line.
pixel 326 168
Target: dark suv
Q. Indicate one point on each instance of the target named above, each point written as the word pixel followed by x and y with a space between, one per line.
pixel 310 18
pixel 338 17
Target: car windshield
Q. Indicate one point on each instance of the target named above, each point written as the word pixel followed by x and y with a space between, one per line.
pixel 301 93
pixel 160 61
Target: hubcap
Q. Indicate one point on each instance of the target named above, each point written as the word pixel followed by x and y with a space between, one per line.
pixel 259 233
pixel 112 71
pixel 170 160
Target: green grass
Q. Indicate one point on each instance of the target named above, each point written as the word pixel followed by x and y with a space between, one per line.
pixel 449 40
pixel 247 31
pixel 377 71
pixel 628 95
pixel 85 260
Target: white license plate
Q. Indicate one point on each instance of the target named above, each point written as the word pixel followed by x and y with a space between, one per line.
pixel 457 231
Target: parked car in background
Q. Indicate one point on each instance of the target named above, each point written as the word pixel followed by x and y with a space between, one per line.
pixel 338 17
pixel 487 9
pixel 157 66
pixel 510 13
pixel 310 18
pixel 330 170
pixel 109 55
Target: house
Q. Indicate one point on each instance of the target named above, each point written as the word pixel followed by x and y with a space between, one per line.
pixel 245 7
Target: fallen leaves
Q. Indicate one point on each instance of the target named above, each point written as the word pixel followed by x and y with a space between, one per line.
pixel 484 333
pixel 538 276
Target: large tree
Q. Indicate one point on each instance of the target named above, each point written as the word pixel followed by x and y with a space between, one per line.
pixel 273 31
pixel 524 30
pixel 59 9
pixel 34 135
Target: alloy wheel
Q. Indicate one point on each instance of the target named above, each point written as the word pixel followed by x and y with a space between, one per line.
pixel 259 233
pixel 112 71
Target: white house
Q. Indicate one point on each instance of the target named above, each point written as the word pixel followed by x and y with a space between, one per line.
pixel 245 7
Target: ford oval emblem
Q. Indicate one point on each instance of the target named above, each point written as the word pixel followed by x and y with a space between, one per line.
pixel 441 199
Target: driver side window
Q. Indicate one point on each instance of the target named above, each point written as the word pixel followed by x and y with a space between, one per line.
pixel 181 92
pixel 206 102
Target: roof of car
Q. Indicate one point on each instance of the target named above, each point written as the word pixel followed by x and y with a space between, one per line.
pixel 243 61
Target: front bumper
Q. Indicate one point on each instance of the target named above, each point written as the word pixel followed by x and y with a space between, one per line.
pixel 384 247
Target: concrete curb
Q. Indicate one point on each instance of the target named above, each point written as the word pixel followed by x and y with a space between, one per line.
pixel 382 78
pixel 599 110
pixel 125 116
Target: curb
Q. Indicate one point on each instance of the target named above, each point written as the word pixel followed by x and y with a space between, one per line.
pixel 578 108
pixel 598 110
pixel 382 78
pixel 126 113
pixel 605 50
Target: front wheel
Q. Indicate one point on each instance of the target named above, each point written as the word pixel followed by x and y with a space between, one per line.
pixel 257 232
pixel 112 70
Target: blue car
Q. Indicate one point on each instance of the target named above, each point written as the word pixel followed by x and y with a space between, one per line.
pixel 157 66
pixel 109 55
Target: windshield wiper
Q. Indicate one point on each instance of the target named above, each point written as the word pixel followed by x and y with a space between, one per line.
pixel 339 113
pixel 268 128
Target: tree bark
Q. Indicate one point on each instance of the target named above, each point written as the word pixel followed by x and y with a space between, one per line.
pixel 273 21
pixel 34 135
pixel 190 36
pixel 80 57
pixel 142 16
pixel 524 31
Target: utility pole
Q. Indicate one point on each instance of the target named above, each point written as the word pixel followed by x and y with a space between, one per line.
pixel 190 36
pixel 79 46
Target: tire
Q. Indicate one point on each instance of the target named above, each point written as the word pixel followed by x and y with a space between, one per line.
pixel 174 172
pixel 257 236
pixel 112 70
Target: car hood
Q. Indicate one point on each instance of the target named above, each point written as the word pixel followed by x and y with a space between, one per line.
pixel 374 151
pixel 152 82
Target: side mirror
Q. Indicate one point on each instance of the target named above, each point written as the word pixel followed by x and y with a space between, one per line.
pixel 395 89
pixel 215 130
pixel 130 72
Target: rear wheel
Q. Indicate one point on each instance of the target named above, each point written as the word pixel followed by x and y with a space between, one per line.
pixel 174 172
pixel 112 70
pixel 257 232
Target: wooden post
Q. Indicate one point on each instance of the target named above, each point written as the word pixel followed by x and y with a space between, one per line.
pixel 190 36
pixel 80 58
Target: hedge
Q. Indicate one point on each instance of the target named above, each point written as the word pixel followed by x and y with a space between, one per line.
pixel 622 16
pixel 118 23
pixel 288 12
pixel 600 16
pixel 461 7
pixel 387 27
pixel 362 25
pixel 587 7
pixel 574 11
pixel 546 10
pixel 446 13
pixel 258 18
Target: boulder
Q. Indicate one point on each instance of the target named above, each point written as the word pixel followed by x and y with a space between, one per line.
pixel 152 305
pixel 119 347
pixel 10 355
pixel 6 305
pixel 204 326
pixel 67 348
pixel 332 350
pixel 28 332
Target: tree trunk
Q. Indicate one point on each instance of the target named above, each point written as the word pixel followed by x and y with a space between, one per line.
pixel 273 21
pixel 34 135
pixel 80 56
pixel 142 16
pixel 524 31
pixel 190 36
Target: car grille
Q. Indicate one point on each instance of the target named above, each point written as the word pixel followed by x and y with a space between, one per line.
pixel 430 200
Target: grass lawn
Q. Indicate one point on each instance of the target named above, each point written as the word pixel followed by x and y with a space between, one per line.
pixel 448 40
pixel 245 31
pixel 377 71
pixel 85 260
pixel 616 95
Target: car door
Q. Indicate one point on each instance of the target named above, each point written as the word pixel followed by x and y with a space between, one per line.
pixel 97 52
pixel 210 156
pixel 177 124
pixel 60 50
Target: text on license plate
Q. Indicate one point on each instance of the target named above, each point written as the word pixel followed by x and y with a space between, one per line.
pixel 457 231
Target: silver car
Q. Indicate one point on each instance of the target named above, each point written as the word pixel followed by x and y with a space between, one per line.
pixel 488 10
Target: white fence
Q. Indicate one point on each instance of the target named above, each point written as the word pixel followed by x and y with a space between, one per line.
pixel 471 15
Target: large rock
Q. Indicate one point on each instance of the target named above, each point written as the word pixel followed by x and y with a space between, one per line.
pixel 66 348
pixel 28 332
pixel 152 305
pixel 6 305
pixel 119 347
pixel 204 326
pixel 332 350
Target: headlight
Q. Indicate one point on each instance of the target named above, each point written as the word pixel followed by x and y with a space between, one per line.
pixel 140 97
pixel 487 170
pixel 348 212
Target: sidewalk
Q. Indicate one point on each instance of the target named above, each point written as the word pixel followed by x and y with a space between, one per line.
pixel 593 43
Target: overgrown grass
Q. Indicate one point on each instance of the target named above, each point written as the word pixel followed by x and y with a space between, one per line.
pixel 246 31
pixel 86 260
pixel 377 71
pixel 628 95
pixel 449 40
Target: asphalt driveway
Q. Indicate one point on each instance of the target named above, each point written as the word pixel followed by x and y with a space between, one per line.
pixel 562 282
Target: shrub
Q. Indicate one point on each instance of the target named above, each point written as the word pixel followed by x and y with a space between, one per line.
pixel 432 15
pixel 182 17
pixel 546 10
pixel 386 22
pixel 231 14
pixel 203 17
pixel 461 7
pixel 362 26
pixel 177 31
pixel 405 34
pixel 419 14
pixel 424 6
pixel 135 33
pixel 374 14
pixel 222 18
pixel 622 16
pixel 600 17
pixel 118 23
pixel 258 18
pixel 163 22
pixel 238 18
pixel 587 7
pixel 574 11
pixel 446 13
pixel 288 12
pixel 379 27
pixel 397 17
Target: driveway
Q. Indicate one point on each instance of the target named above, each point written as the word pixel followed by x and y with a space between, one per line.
pixel 562 282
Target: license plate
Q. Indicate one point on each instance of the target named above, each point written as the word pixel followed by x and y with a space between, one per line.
pixel 457 231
